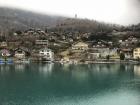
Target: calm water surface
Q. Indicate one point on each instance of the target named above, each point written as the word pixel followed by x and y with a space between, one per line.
pixel 55 84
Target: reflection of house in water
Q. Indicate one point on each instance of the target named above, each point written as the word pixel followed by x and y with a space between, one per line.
pixel 4 69
pixel 104 69
pixel 46 69
pixel 137 70
pixel 19 67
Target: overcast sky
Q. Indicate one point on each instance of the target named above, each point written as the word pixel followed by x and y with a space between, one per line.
pixel 123 12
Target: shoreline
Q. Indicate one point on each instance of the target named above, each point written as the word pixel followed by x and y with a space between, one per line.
pixel 27 61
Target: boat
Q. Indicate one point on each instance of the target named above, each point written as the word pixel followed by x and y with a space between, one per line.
pixel 2 61
pixel 9 61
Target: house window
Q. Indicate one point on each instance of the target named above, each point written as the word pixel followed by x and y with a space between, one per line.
pixel 20 52
pixel 48 55
pixel 137 57
pixel 135 50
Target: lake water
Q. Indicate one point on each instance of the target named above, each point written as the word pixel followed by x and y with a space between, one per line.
pixel 55 84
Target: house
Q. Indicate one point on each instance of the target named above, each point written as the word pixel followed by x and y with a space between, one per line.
pixel 46 54
pixel 41 42
pixel 113 52
pixel 65 60
pixel 21 53
pixel 14 44
pixel 136 53
pixel 132 39
pixel 80 46
pixel 103 51
pixel 5 53
pixel 100 44
pixel 3 44
pixel 93 55
pixel 128 52
pixel 129 42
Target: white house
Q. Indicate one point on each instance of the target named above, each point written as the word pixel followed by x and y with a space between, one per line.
pixel 113 52
pixel 103 51
pixel 94 55
pixel 80 46
pixel 46 54
pixel 19 53
pixel 41 42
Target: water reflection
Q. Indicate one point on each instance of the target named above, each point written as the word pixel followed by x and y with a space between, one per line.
pixel 76 71
pixel 99 74
pixel 19 67
pixel 46 69
pixel 80 75
pixel 137 70
pixel 98 69
pixel 101 84
pixel 4 69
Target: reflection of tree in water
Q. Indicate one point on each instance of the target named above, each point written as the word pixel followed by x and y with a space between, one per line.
pixel 11 69
pixel 4 69
pixel 19 67
pixel 122 68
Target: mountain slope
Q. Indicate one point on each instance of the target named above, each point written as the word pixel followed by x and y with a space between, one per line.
pixel 16 19
pixel 20 19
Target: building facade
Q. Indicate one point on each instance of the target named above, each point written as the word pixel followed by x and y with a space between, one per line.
pixel 46 54
pixel 136 53
pixel 5 53
pixel 20 54
pixel 80 46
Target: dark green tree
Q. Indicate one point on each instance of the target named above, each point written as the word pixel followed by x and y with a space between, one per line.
pixel 108 57
pixel 122 56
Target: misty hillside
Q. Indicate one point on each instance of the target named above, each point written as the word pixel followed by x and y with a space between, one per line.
pixel 16 19
pixel 20 19
pixel 85 25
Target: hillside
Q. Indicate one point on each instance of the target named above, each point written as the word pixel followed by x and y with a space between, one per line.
pixel 85 25
pixel 20 19
pixel 16 19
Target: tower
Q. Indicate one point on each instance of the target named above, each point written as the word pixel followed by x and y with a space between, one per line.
pixel 75 16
